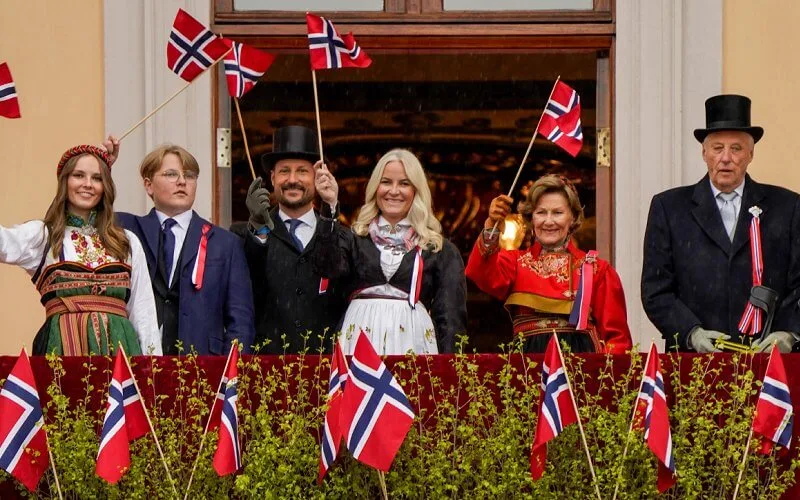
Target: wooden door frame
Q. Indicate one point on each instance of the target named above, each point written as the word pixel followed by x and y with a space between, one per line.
pixel 447 33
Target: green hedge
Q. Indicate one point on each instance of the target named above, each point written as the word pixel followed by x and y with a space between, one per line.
pixel 476 448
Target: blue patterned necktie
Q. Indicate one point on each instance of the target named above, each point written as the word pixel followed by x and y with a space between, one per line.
pixel 293 225
pixel 728 212
pixel 169 246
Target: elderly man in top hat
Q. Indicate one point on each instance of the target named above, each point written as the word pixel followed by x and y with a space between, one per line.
pixel 699 266
pixel 296 309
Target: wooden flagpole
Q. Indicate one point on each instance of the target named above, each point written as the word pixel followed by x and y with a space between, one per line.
pixel 747 446
pixel 316 109
pixel 47 443
pixel 530 146
pixel 234 345
pixel 578 416
pixel 381 474
pixel 633 416
pixel 244 138
pixel 173 96
pixel 149 422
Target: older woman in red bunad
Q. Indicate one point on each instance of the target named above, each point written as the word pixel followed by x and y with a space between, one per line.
pixel 553 285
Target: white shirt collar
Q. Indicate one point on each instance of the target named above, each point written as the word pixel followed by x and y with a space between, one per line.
pixel 183 219
pixel 385 223
pixel 739 189
pixel 309 218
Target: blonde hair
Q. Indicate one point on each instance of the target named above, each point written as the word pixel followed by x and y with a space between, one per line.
pixel 427 227
pixel 111 235
pixel 152 162
pixel 552 183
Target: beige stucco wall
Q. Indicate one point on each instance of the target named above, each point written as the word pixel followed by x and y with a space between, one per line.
pixel 758 41
pixel 55 52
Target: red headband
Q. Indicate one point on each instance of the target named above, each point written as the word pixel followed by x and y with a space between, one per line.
pixel 83 149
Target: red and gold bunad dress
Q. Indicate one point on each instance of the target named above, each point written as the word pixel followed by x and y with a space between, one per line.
pixel 92 301
pixel 539 288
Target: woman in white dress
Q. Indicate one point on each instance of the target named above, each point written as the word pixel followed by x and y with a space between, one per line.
pixel 91 274
pixel 408 280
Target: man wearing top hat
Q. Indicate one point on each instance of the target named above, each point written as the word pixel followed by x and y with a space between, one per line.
pixel 296 309
pixel 698 268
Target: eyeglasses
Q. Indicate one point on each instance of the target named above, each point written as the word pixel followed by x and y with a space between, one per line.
pixel 174 175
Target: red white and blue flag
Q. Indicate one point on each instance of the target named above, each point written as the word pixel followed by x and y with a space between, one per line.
pixel 774 418
pixel 9 103
pixel 376 414
pixel 652 416
pixel 329 50
pixel 125 421
pixel 225 414
pixel 561 119
pixel 192 48
pixel 579 316
pixel 557 409
pixel 23 443
pixel 332 430
pixel 752 318
pixel 244 65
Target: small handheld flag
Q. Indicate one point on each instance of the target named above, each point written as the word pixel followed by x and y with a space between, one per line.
pixel 244 65
pixel 328 50
pixel 228 457
pixel 192 48
pixel 561 121
pixel 9 102
pixel 556 410
pixel 652 416
pixel 23 444
pixel 774 419
pixel 376 414
pixel 332 430
pixel 125 421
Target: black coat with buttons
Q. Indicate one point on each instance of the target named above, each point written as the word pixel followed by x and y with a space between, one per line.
pixel 292 313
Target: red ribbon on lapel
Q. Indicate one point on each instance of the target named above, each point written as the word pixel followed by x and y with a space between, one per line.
pixel 416 279
pixel 323 285
pixel 200 265
pixel 752 319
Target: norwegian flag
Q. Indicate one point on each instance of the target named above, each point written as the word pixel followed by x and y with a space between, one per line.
pixel 228 457
pixel 192 48
pixel 9 103
pixel 332 430
pixel 376 414
pixel 125 421
pixel 244 65
pixel 329 50
pixel 561 119
pixel 774 418
pixel 23 443
pixel 652 416
pixel 557 409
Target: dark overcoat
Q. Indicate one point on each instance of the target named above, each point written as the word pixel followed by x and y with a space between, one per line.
pixel 292 312
pixel 693 275
pixel 222 309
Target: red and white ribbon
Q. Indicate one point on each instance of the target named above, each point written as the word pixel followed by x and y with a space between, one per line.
pixel 579 316
pixel 323 286
pixel 752 319
pixel 200 262
pixel 416 279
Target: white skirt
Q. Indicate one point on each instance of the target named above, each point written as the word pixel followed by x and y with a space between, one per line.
pixel 392 326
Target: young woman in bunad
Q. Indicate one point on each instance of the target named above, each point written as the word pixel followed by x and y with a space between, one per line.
pixel 408 281
pixel 91 274
pixel 553 285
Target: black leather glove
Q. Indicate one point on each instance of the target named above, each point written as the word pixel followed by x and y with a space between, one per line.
pixel 258 205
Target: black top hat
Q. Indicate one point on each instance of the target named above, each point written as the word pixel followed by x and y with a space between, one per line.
pixel 728 112
pixel 295 142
